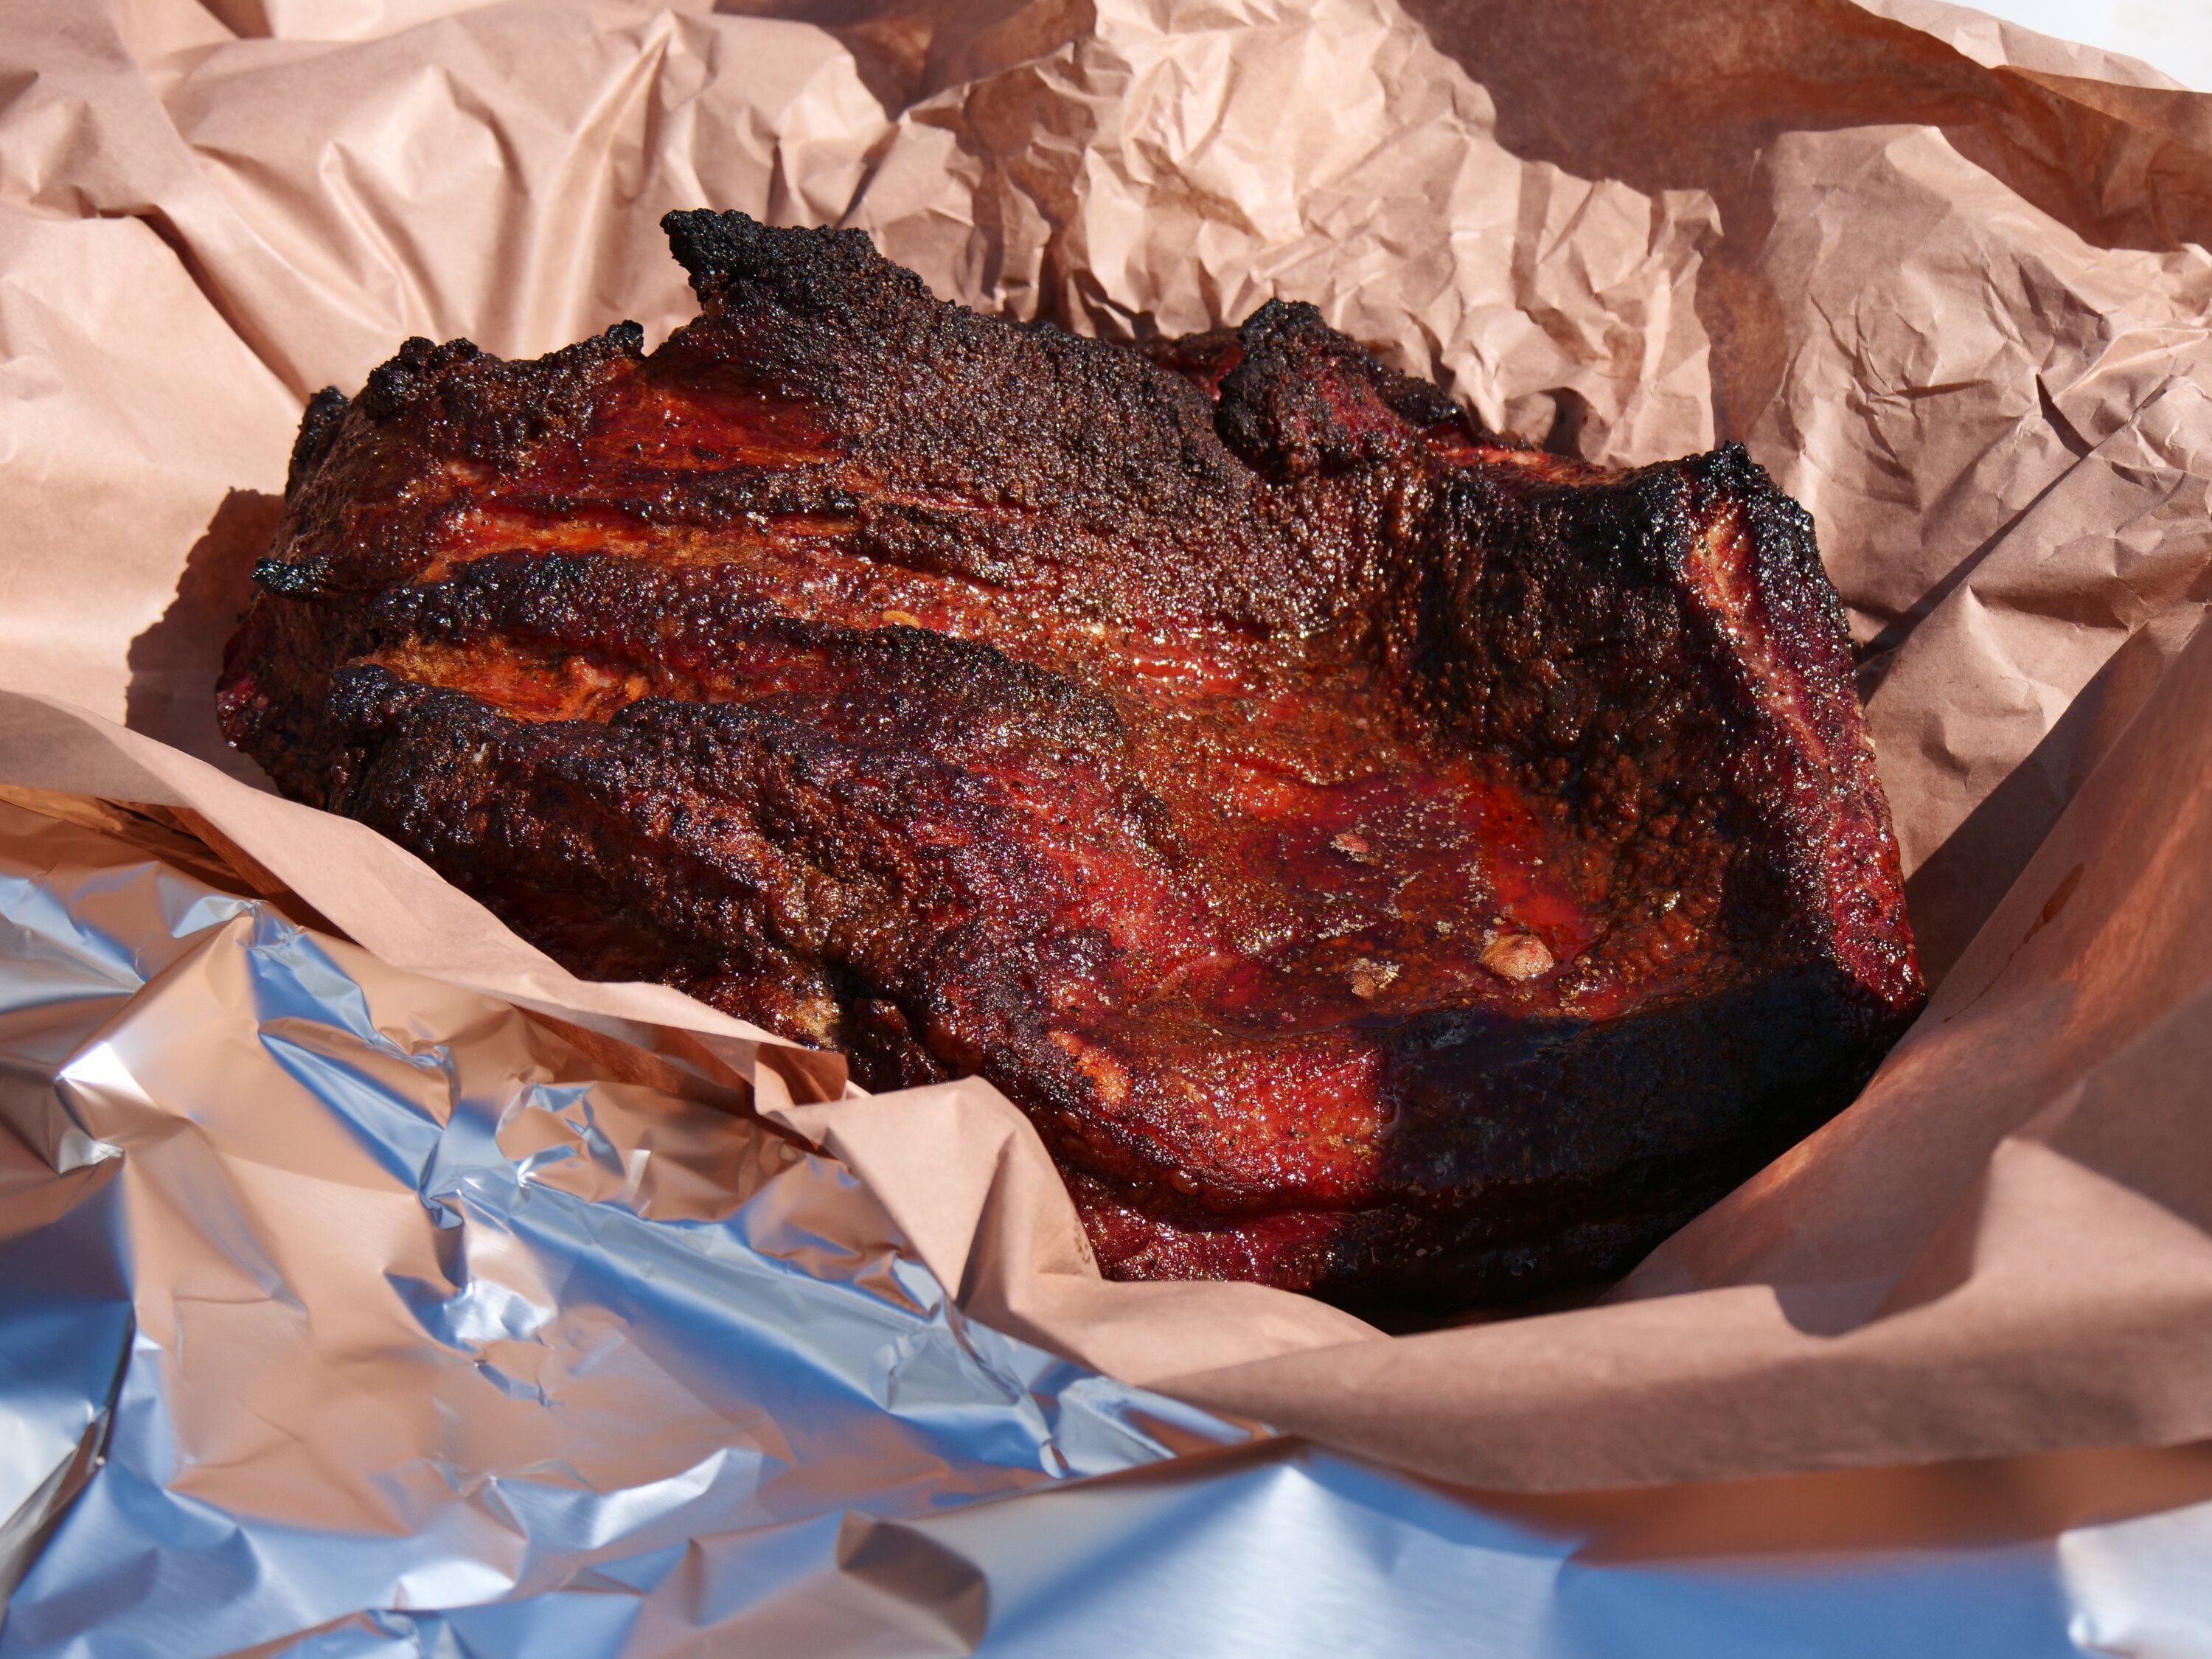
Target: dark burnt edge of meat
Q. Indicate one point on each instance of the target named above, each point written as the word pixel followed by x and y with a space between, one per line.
pixel 1271 511
pixel 1769 641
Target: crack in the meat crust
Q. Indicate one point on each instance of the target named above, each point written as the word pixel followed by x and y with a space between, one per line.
pixel 1382 858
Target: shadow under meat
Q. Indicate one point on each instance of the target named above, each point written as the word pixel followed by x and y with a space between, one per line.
pixel 174 662
pixel 1955 889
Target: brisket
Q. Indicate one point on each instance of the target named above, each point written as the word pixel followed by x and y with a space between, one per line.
pixel 1382 858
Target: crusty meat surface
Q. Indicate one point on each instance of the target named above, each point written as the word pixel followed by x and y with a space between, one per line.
pixel 1381 859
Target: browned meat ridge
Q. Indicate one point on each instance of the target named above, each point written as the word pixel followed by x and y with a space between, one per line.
pixel 1380 859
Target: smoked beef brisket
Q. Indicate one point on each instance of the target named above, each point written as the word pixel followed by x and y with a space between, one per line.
pixel 1380 859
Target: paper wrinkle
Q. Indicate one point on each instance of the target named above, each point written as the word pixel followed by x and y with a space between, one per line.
pixel 1999 43
pixel 1996 411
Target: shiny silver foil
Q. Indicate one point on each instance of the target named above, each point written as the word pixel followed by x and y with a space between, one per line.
pixel 329 1289
pixel 345 1313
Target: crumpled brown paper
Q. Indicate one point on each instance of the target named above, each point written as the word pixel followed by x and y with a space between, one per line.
pixel 1947 280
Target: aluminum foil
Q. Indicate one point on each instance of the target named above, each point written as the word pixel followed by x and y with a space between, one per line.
pixel 327 1289
pixel 345 1313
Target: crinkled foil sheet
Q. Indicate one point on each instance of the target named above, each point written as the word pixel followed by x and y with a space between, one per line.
pixel 327 1288
pixel 345 1313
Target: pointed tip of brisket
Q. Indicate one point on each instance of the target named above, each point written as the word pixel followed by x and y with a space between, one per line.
pixel 732 255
